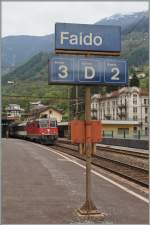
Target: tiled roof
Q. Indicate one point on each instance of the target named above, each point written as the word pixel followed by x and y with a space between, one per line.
pixel 121 91
pixel 38 111
pixel 144 93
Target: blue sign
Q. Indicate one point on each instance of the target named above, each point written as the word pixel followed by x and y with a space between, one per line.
pixel 62 70
pixel 87 71
pixel 83 37
pixel 115 71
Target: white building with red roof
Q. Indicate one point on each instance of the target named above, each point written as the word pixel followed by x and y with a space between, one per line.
pixel 128 104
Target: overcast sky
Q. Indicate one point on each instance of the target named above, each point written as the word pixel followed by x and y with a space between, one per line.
pixel 38 18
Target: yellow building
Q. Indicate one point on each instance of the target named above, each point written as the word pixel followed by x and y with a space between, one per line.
pixel 120 129
pixel 48 112
pixel 110 128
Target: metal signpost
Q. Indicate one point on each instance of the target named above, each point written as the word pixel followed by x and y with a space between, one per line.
pixel 87 70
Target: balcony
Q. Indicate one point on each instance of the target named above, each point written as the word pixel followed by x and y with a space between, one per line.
pixel 94 109
pixel 122 105
pixel 107 116
pixel 121 113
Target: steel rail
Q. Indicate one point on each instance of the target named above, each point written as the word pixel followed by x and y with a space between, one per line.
pixel 118 151
pixel 133 173
pixel 124 152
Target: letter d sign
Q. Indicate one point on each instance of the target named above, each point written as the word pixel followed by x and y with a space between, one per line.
pixel 89 72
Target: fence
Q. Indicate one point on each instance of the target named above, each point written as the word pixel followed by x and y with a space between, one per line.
pixel 125 135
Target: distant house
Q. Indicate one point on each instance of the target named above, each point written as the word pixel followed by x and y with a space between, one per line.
pixel 36 105
pixel 14 111
pixel 47 112
pixel 38 110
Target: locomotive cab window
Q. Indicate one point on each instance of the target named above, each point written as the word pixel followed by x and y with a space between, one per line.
pixel 53 124
pixel 44 124
pixel 37 124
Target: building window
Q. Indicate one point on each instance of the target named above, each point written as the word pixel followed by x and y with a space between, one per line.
pixel 146 119
pixel 146 110
pixel 145 101
pixel 113 113
pixel 146 131
pixel 135 109
pixel 134 99
pixel 135 129
pixel 135 118
pixel 114 103
pixel 123 130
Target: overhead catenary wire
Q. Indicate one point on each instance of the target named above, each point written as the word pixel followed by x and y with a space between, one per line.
pixel 44 97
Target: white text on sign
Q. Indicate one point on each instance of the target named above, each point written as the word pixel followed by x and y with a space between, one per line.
pixel 87 70
pixel 80 39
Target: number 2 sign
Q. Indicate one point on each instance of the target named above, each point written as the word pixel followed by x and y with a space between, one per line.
pixel 115 71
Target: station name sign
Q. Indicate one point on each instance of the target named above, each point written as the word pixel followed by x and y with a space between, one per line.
pixel 87 70
pixel 92 38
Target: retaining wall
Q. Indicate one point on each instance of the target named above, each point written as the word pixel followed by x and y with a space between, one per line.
pixel 141 144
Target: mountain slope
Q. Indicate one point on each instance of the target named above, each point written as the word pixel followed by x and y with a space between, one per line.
pixel 32 70
pixel 30 79
pixel 134 47
pixel 16 50
pixel 128 22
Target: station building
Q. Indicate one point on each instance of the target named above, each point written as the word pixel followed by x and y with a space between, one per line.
pixel 14 111
pixel 39 110
pixel 122 112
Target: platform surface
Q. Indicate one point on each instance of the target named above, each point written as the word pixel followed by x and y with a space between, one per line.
pixel 43 186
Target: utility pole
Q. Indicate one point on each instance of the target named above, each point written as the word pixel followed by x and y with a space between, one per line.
pixel 88 208
pixel 69 114
pixel 77 105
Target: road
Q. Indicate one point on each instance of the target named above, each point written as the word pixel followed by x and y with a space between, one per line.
pixel 43 186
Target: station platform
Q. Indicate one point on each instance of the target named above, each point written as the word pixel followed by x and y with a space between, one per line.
pixel 41 185
pixel 124 148
pixel 138 150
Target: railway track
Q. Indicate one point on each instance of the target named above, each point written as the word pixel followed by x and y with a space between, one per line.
pixel 140 155
pixel 134 173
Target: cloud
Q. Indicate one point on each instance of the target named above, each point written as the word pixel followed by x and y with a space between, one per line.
pixel 38 18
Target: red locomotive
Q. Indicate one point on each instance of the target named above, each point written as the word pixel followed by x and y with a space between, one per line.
pixel 41 130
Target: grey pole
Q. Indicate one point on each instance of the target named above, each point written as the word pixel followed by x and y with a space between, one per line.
pixel 88 208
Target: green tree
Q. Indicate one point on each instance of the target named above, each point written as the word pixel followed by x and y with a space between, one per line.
pixel 134 82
